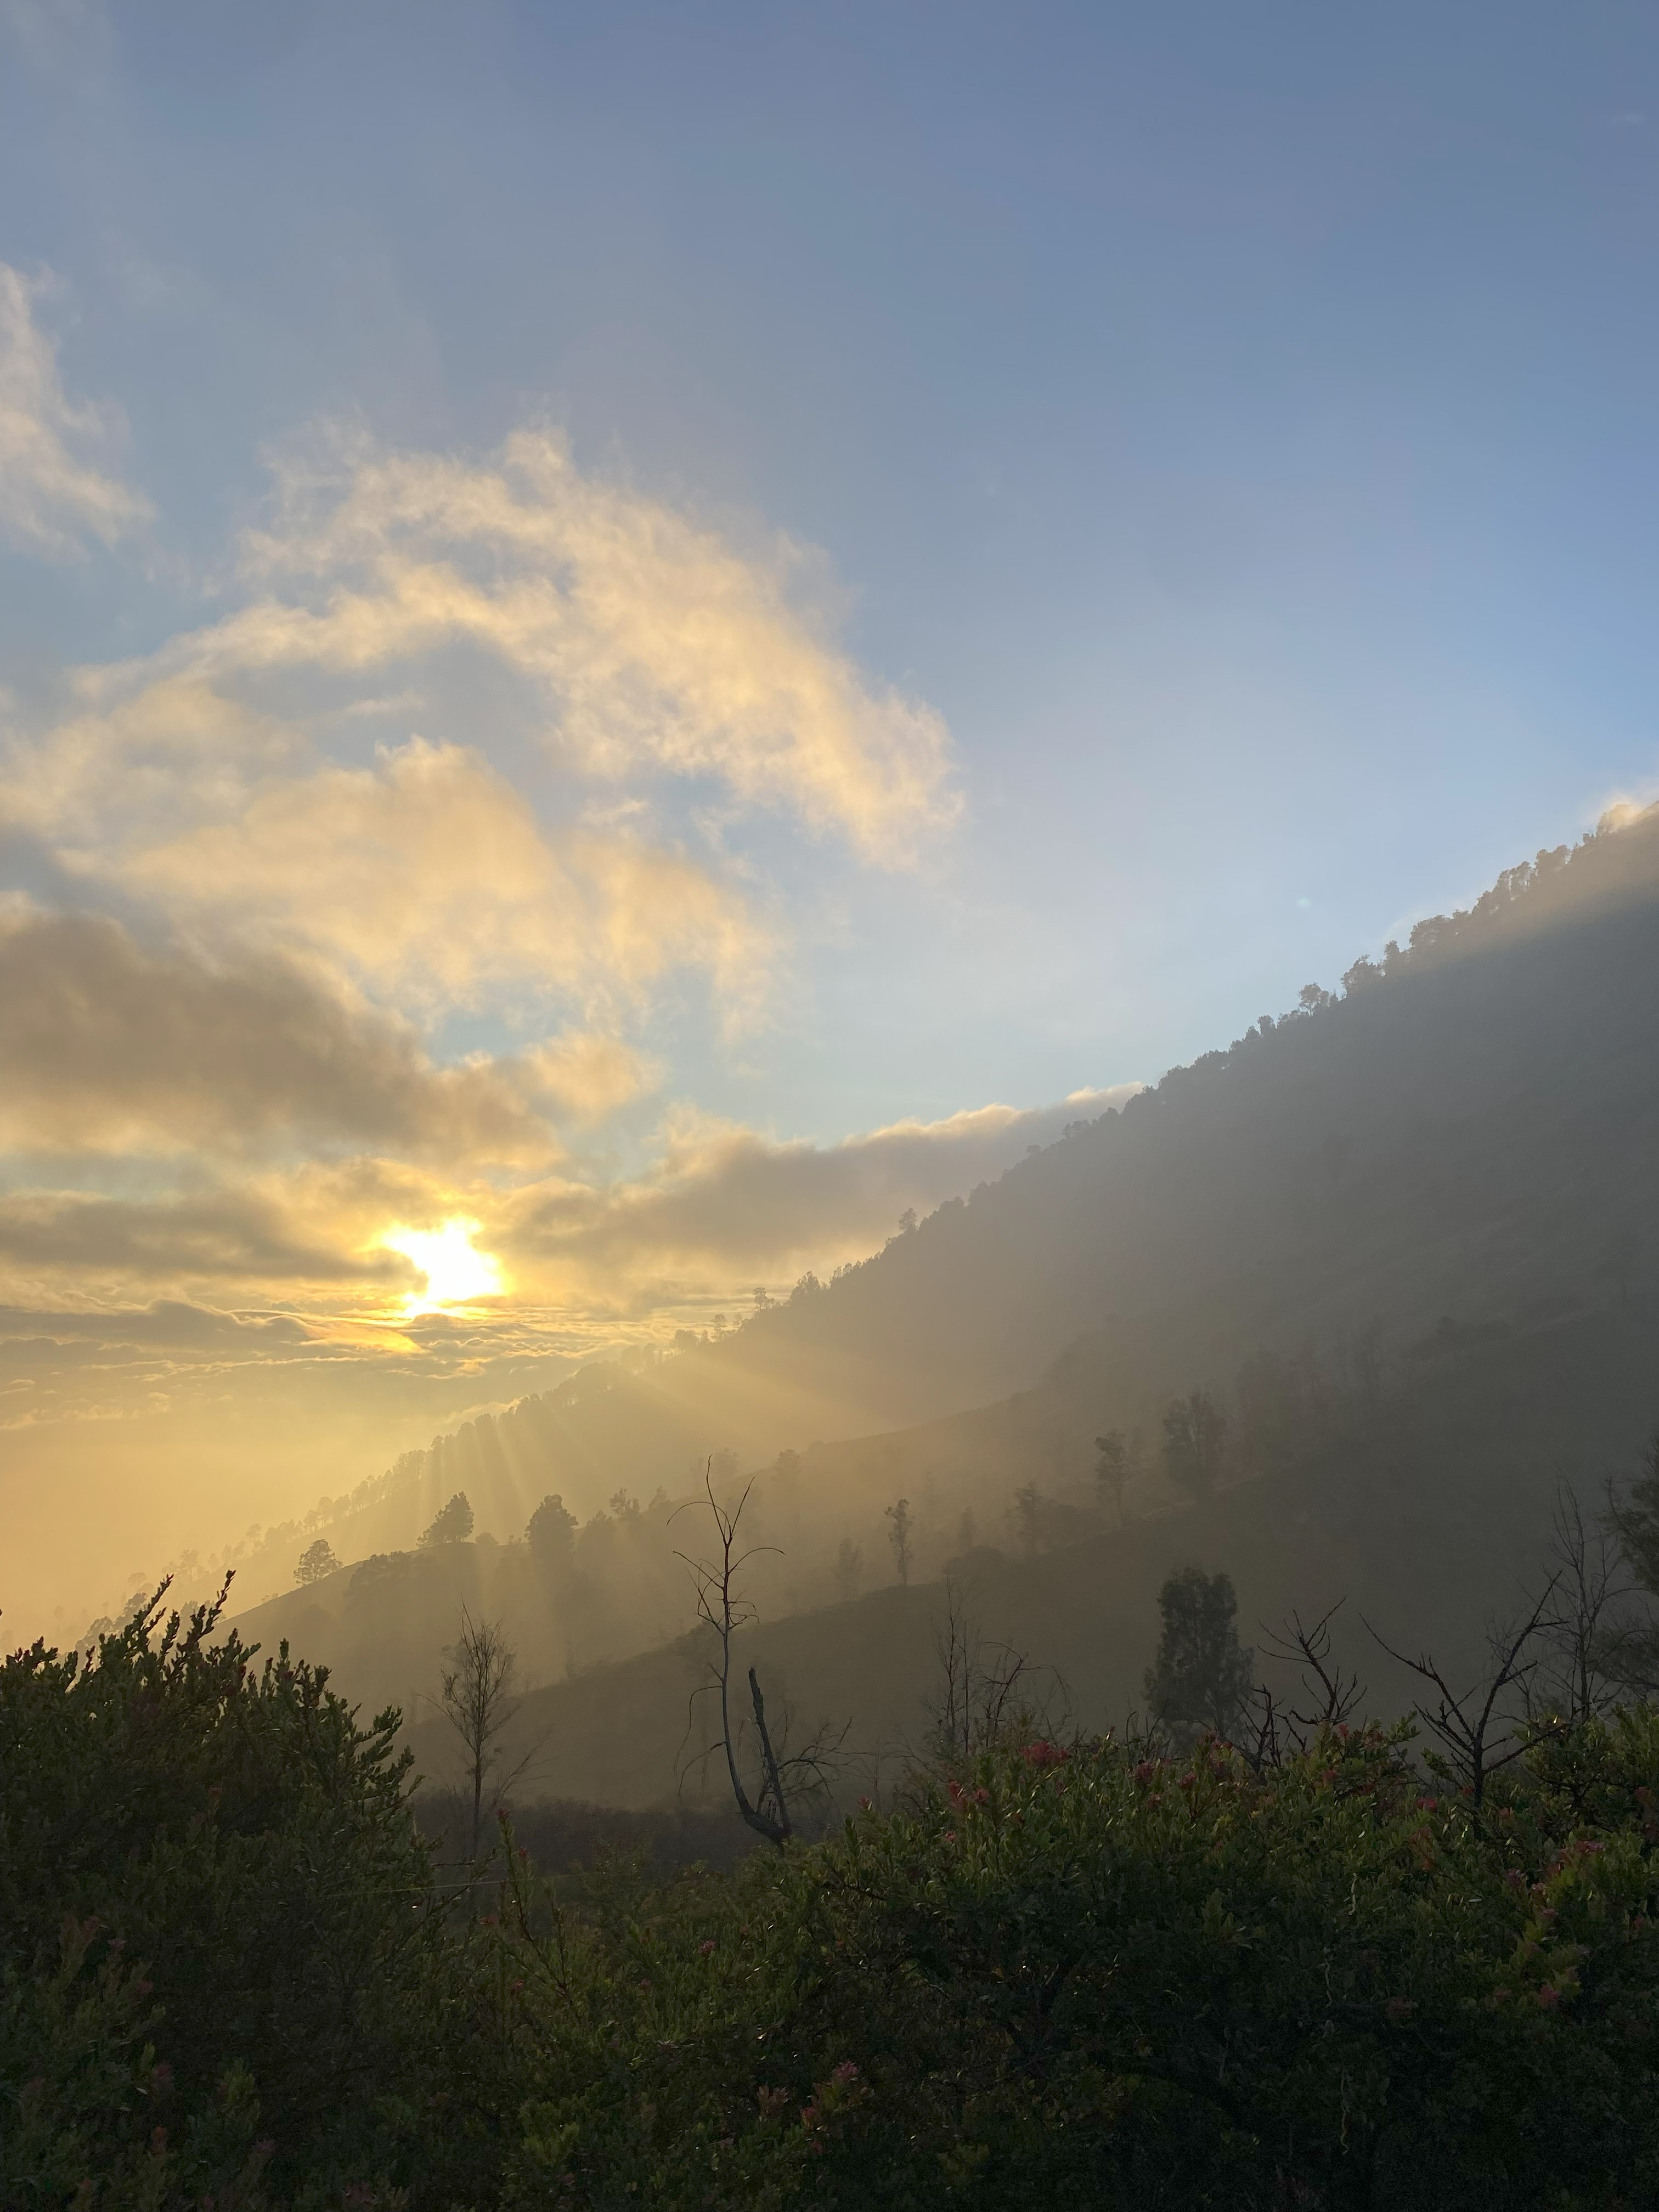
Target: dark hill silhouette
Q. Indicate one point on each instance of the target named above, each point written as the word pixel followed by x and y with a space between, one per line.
pixel 1430 1523
pixel 1469 1130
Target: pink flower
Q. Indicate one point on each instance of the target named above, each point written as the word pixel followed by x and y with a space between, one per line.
pixel 707 1946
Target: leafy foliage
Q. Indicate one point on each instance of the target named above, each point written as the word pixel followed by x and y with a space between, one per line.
pixel 451 1524
pixel 1124 1978
pixel 1085 1972
pixel 221 1961
pixel 1200 1678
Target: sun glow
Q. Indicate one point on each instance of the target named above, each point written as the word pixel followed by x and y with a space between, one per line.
pixel 454 1272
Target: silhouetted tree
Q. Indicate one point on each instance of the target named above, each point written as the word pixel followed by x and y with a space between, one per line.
pixel 1195 1431
pixel 317 1560
pixel 452 1525
pixel 1635 1518
pixel 551 1531
pixel 1490 1724
pixel 475 1694
pixel 900 1533
pixel 984 1693
pixel 1581 1680
pixel 1277 1730
pixel 786 1777
pixel 1026 1515
pixel 1201 1679
pixel 1112 1470
pixel 849 1568
pixel 1633 1647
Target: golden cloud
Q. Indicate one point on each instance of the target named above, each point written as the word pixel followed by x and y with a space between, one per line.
pixel 722 1199
pixel 656 645
pixel 428 875
pixel 109 1046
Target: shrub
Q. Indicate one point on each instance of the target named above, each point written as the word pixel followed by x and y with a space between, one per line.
pixel 1093 1975
pixel 218 1926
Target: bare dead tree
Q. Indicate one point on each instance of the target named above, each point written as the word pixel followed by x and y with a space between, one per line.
pixel 723 1607
pixel 979 1682
pixel 983 1688
pixel 1583 1633
pixel 1479 1731
pixel 1275 1728
pixel 477 1695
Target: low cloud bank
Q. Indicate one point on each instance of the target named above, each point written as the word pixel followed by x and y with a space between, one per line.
pixel 725 1198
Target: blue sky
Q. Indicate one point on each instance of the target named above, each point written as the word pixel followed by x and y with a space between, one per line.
pixel 1238 423
pixel 1223 438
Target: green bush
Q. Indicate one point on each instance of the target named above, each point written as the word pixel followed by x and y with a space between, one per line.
pixel 1099 1977
pixel 223 1972
pixel 1082 1974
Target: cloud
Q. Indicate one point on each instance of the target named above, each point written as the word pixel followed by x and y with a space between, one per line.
pixel 236 1235
pixel 427 875
pixel 585 1077
pixel 424 875
pixel 51 500
pixel 108 1046
pixel 227 782
pixel 653 644
pixel 725 1200
pixel 169 1323
pixel 718 1202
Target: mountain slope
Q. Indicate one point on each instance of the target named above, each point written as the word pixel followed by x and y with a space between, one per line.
pixel 1429 1524
pixel 1472 1128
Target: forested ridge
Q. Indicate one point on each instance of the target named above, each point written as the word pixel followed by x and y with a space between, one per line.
pixel 1402 1241
pixel 1467 1127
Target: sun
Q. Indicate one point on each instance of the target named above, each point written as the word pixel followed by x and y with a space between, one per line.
pixel 454 1272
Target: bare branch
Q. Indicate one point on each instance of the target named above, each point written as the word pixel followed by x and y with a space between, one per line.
pixel 1275 1727
pixel 1465 1732
pixel 476 1695
pixel 722 1606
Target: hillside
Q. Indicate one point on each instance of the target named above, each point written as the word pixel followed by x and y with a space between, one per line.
pixel 1469 1131
pixel 1424 1503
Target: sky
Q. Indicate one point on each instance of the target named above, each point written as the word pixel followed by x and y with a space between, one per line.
pixel 632 639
